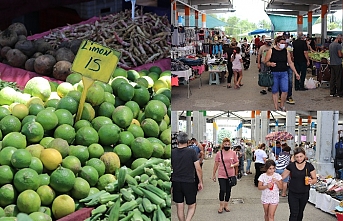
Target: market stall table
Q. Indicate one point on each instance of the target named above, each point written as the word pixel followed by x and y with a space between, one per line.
pixel 184 74
pixel 323 201
pixel 215 70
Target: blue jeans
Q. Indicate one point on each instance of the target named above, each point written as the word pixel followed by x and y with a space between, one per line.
pixel 280 82
pixel 290 83
pixel 247 169
pixel 301 68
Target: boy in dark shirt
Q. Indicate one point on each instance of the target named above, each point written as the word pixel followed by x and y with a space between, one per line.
pixel 184 164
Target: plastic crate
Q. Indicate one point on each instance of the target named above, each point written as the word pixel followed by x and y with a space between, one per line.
pixel 96 8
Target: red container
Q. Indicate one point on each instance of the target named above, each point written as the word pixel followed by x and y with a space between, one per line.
pixel 339 216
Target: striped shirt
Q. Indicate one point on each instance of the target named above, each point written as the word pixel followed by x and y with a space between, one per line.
pixel 283 160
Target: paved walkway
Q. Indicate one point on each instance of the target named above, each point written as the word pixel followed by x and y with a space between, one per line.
pixel 248 97
pixel 250 210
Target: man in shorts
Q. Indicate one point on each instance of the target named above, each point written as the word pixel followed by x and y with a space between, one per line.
pixel 184 164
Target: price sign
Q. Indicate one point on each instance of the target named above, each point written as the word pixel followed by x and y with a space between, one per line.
pixel 95 61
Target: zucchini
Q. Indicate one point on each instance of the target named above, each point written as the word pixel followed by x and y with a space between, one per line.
pixel 153 197
pixel 127 195
pixel 130 180
pixel 157 191
pixel 128 206
pixel 161 174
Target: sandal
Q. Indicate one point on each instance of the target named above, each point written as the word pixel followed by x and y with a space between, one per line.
pixel 228 86
pixel 282 109
pixel 226 210
pixel 241 84
pixel 220 211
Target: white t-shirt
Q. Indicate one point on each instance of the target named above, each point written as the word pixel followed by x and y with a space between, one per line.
pixel 236 63
pixel 260 154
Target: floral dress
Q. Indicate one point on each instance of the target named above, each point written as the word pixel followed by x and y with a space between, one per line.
pixel 270 196
pixel 246 56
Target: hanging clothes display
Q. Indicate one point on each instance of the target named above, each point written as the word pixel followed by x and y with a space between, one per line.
pixel 175 37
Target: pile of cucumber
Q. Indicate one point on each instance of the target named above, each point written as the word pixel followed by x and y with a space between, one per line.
pixel 141 194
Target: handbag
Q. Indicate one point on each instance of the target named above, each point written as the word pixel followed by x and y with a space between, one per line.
pixel 265 79
pixel 232 179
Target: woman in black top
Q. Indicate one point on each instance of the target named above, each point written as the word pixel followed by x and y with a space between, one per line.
pixel 302 175
pixel 229 52
pixel 277 58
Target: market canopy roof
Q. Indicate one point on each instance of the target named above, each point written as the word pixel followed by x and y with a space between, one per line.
pixel 288 23
pixel 211 22
pixel 259 31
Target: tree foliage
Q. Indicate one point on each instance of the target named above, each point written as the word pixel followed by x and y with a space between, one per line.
pixel 222 134
pixel 240 28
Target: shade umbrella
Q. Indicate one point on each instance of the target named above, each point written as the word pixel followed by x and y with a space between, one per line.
pixel 279 135
pixel 259 31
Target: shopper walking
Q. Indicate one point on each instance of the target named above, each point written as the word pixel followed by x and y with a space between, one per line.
pixel 303 175
pixel 184 164
pixel 261 55
pixel 237 61
pixel 248 157
pixel 225 162
pixel 335 50
pixel 202 151
pixel 301 60
pixel 277 58
pixel 281 164
pixel 260 159
pixel 270 183
pixel 246 54
pixel 229 53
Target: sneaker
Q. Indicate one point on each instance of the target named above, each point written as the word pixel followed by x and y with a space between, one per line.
pixel 290 100
pixel 279 100
pixel 263 92
pixel 245 174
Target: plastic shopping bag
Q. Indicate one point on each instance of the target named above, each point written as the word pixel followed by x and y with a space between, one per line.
pixel 310 83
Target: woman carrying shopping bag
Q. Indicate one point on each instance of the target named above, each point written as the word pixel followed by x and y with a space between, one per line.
pixel 225 162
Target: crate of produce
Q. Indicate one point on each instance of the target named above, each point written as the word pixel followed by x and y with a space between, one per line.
pixel 96 8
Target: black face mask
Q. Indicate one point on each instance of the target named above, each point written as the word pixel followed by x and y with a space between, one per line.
pixel 300 162
pixel 226 148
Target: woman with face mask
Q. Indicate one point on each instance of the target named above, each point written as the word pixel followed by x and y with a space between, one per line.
pixel 303 175
pixel 277 58
pixel 225 162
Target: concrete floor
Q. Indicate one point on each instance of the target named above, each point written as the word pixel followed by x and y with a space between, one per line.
pixel 250 210
pixel 248 97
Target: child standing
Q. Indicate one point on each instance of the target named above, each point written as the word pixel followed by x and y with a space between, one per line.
pixel 270 183
pixel 237 61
